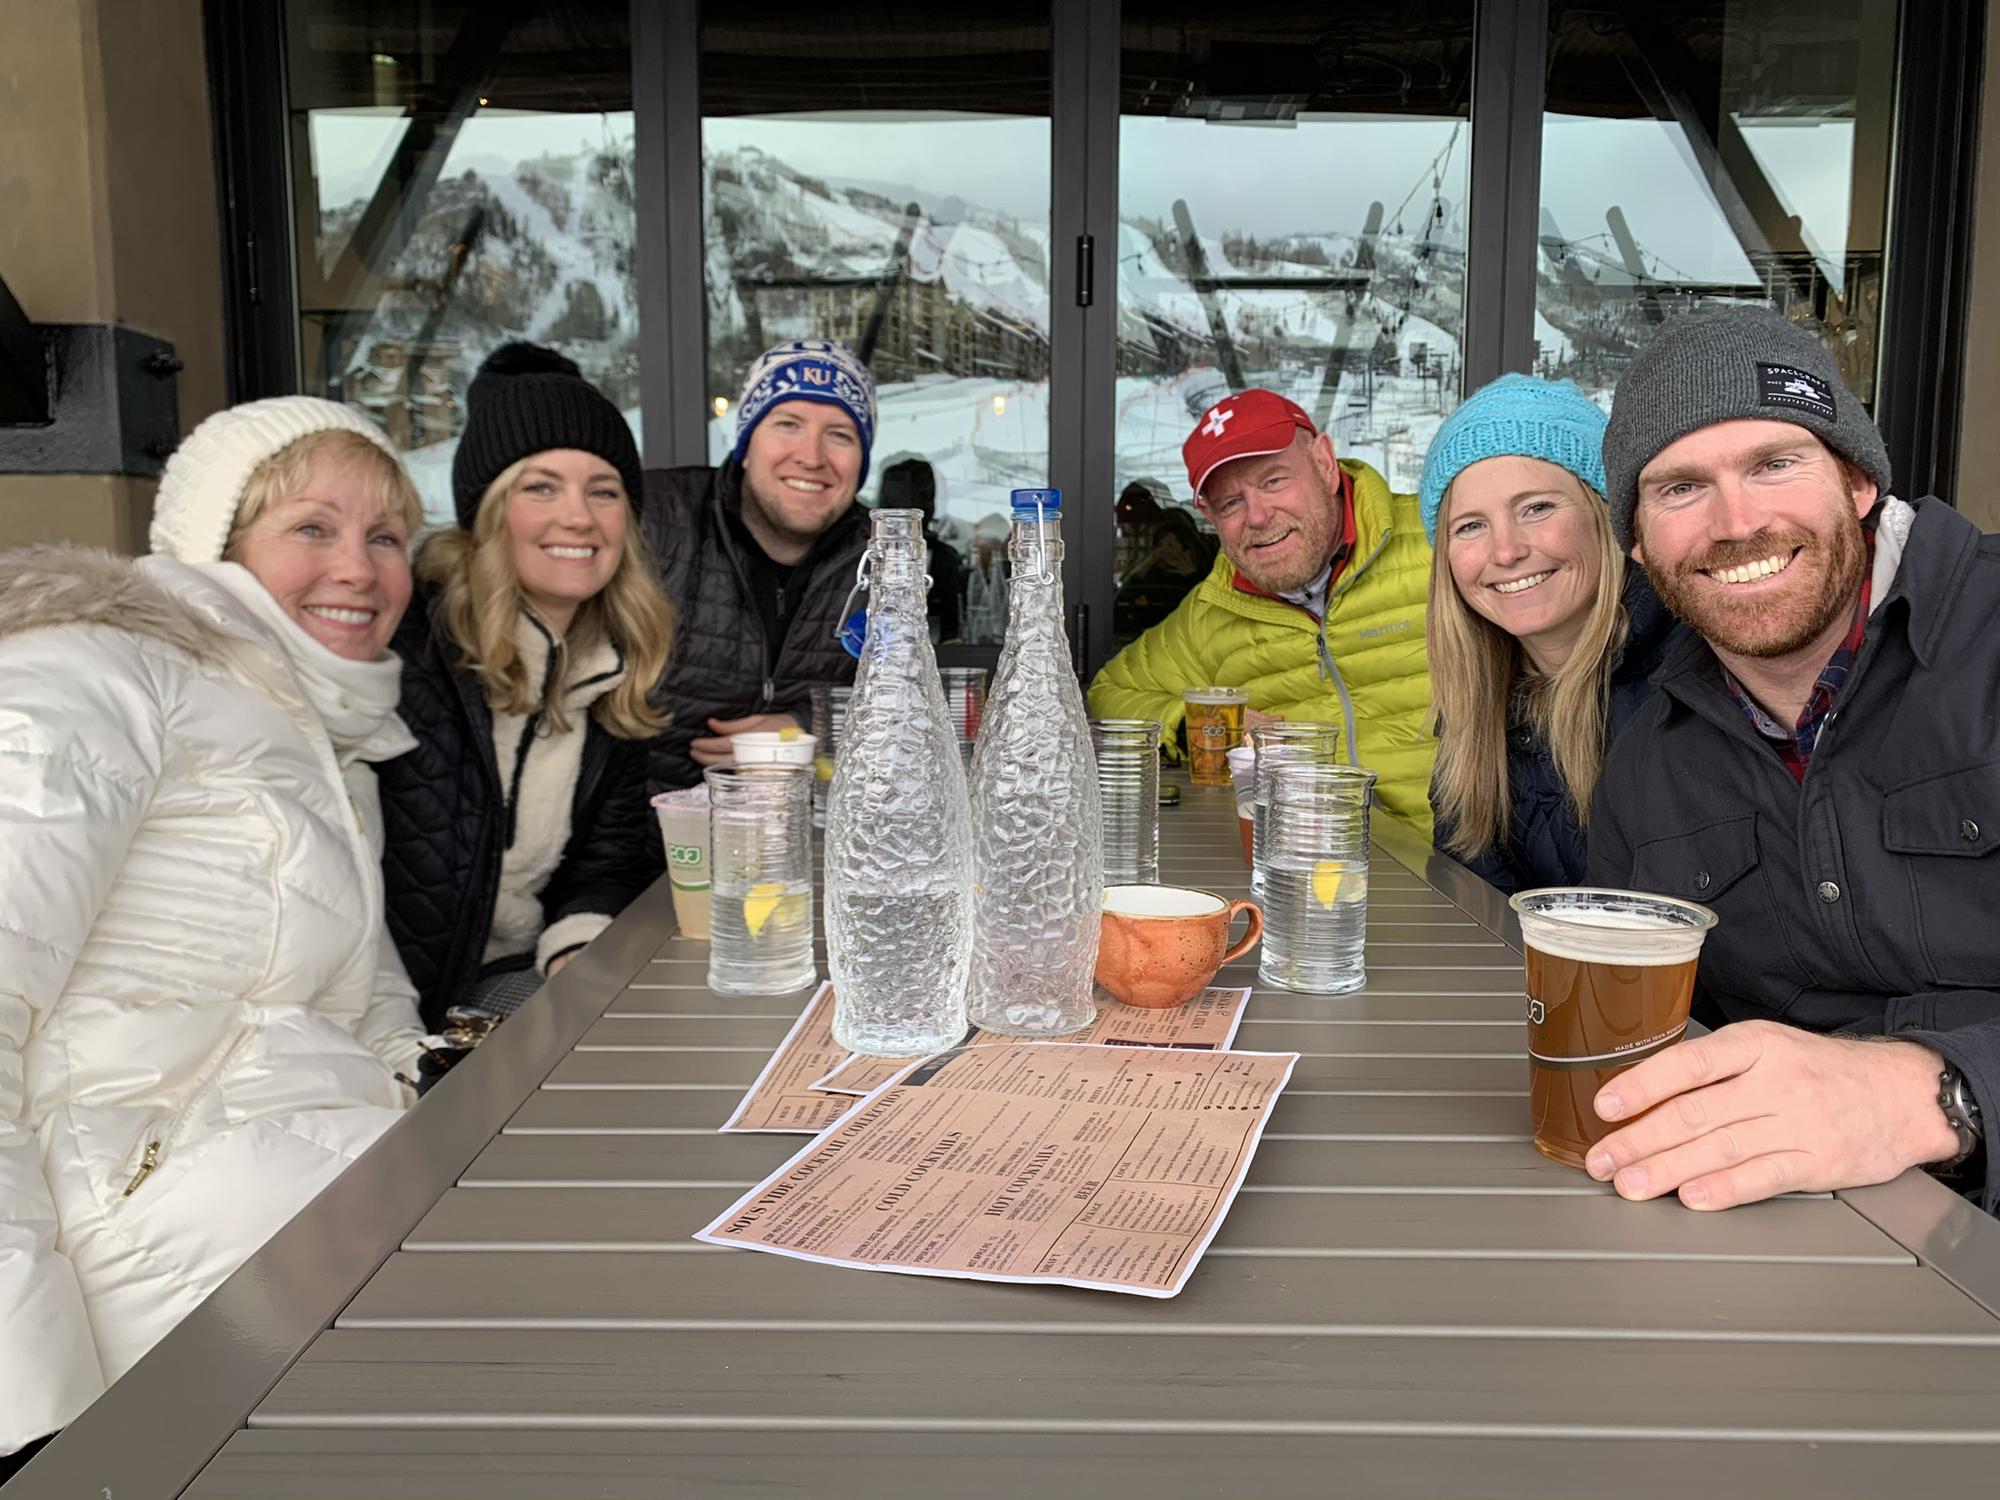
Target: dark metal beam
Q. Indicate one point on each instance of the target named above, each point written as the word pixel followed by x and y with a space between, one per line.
pixel 1332 280
pixel 114 404
pixel 1920 385
pixel 1204 285
pixel 1371 231
pixel 459 252
pixel 1675 87
pixel 392 214
pixel 1509 80
pixel 1083 304
pixel 893 274
pixel 1635 263
pixel 246 78
pixel 24 367
pixel 673 332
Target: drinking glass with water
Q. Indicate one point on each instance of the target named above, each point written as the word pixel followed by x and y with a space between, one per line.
pixel 1128 781
pixel 1288 742
pixel 761 886
pixel 829 727
pixel 1315 864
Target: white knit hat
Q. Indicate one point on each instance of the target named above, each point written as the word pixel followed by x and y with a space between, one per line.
pixel 204 480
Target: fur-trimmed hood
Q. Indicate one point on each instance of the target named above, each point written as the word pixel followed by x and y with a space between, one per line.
pixel 221 619
pixel 46 586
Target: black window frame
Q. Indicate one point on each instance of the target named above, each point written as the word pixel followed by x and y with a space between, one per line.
pixel 1939 73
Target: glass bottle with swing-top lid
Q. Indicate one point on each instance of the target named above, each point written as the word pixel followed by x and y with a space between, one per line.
pixel 1037 820
pixel 898 833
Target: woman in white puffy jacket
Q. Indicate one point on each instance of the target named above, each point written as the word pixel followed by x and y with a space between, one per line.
pixel 201 1018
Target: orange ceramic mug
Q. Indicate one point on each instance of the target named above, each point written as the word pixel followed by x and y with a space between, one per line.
pixel 1161 944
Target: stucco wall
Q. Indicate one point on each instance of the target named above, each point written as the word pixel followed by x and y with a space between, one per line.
pixel 107 215
pixel 1977 492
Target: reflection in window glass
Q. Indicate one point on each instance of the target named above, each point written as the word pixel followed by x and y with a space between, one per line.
pixel 464 178
pixel 1292 215
pixel 1740 155
pixel 849 195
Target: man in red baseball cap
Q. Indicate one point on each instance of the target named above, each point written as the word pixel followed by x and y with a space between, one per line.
pixel 1316 604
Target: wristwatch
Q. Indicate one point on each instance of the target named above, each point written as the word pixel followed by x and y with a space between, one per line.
pixel 1961 1112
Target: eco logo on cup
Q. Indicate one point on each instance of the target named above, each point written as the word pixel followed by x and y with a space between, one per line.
pixel 685 835
pixel 1213 719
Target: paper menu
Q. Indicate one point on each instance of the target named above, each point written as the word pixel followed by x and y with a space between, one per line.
pixel 1206 1023
pixel 1065 1163
pixel 783 1098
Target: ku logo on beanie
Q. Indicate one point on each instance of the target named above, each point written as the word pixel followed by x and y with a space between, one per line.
pixel 823 370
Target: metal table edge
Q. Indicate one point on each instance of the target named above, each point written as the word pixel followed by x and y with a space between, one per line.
pixel 156 1428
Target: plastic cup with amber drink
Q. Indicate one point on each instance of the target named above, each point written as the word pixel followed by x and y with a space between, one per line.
pixel 1610 975
pixel 1214 727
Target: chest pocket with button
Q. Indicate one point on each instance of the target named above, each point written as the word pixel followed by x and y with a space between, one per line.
pixel 1699 866
pixel 1719 866
pixel 1944 831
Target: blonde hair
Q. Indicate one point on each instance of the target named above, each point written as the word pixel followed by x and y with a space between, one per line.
pixel 480 599
pixel 1475 666
pixel 288 471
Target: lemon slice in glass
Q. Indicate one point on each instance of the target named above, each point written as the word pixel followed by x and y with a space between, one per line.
pixel 764 901
pixel 1326 883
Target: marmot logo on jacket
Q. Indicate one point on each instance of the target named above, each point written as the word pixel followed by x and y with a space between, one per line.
pixel 1392 627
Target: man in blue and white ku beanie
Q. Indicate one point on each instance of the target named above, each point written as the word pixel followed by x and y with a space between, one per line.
pixel 759 554
pixel 818 370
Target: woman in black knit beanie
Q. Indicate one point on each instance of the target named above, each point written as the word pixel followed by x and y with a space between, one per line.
pixel 518 828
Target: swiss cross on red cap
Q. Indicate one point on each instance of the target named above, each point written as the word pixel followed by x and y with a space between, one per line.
pixel 1245 426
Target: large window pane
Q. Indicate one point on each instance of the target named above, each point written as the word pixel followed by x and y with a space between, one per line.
pixel 1738 154
pixel 1292 188
pixel 879 173
pixel 463 177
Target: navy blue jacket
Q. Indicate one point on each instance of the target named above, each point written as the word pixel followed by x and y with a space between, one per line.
pixel 1861 899
pixel 1544 844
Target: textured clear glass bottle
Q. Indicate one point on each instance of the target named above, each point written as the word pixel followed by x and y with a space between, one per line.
pixel 898 830
pixel 1037 821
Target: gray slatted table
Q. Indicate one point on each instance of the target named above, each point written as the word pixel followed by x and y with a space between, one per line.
pixel 1406 1301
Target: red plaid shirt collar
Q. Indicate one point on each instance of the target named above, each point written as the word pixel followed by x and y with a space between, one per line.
pixel 1795 746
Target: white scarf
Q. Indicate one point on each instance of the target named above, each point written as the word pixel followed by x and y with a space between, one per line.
pixel 355 700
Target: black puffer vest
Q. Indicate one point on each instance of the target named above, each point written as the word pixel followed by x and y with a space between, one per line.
pixel 1544 844
pixel 447 823
pixel 722 665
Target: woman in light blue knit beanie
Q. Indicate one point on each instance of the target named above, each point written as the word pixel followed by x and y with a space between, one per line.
pixel 1540 635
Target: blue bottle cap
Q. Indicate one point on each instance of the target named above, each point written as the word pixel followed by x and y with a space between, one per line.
pixel 853 633
pixel 1028 500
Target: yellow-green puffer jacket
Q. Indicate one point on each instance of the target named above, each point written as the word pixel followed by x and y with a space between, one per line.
pixel 1364 667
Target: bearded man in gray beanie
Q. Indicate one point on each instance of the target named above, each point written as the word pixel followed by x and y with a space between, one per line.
pixel 1821 768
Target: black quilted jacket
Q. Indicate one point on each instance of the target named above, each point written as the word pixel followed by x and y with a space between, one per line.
pixel 447 824
pixel 722 666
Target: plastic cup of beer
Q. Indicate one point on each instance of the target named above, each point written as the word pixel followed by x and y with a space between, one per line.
pixel 1214 728
pixel 684 829
pixel 1609 978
